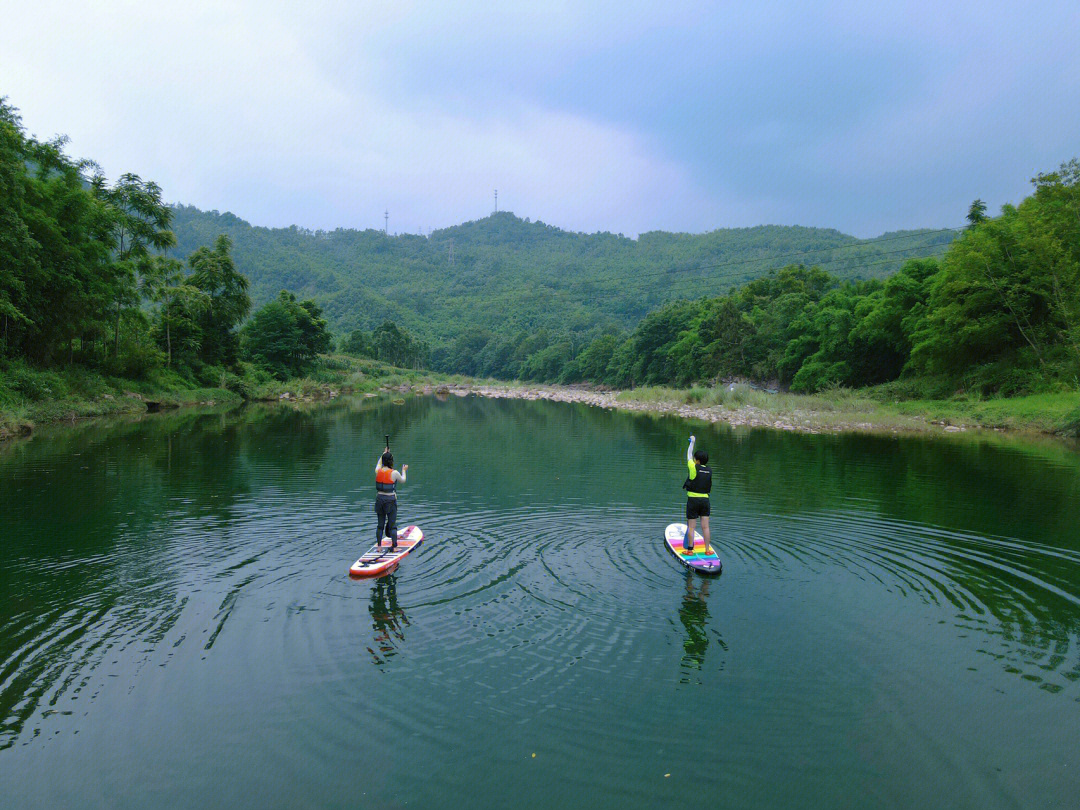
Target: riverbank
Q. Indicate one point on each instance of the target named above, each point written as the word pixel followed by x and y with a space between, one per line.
pixel 836 411
pixel 20 418
pixel 31 397
pixel 33 400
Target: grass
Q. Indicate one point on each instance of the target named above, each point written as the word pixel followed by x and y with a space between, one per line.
pixel 30 396
pixel 740 396
pixel 1056 413
pixel 344 374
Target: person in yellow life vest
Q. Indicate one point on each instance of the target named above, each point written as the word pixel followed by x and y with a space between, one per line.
pixel 698 486
pixel 386 481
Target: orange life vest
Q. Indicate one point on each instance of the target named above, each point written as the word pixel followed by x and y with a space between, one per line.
pixel 384 480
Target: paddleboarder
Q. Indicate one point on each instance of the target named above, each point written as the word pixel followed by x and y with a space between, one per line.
pixel 386 481
pixel 698 486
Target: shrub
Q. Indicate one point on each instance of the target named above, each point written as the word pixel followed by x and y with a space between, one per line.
pixel 36 385
pixel 137 362
pixel 212 376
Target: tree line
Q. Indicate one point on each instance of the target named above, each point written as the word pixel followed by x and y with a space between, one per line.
pixel 86 278
pixel 512 276
pixel 998 313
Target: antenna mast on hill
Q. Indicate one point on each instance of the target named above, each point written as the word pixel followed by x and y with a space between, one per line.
pixel 496 201
pixel 386 222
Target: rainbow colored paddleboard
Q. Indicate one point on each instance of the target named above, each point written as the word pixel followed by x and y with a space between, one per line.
pixel 380 558
pixel 696 560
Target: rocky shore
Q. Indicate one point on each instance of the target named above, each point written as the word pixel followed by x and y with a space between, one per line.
pixel 744 415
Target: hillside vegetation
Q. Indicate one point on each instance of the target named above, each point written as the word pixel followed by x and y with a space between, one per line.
pixel 93 289
pixel 998 314
pixel 88 287
pixel 510 277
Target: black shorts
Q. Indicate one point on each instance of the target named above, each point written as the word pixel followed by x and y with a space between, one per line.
pixel 697 507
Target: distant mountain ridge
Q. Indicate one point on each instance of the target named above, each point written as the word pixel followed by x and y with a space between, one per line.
pixel 504 273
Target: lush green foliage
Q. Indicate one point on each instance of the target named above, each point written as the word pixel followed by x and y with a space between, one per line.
pixel 508 277
pixel 389 343
pixel 286 336
pixel 86 280
pixel 1000 313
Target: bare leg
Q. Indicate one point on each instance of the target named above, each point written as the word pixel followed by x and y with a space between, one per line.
pixel 688 540
pixel 705 531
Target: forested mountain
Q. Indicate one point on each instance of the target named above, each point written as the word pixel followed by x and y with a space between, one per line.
pixel 90 277
pixel 999 313
pixel 506 275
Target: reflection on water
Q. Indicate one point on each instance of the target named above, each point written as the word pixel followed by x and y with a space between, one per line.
pixel 388 620
pixel 186 574
pixel 694 615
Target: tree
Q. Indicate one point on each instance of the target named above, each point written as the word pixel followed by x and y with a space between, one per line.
pixel 1000 309
pixel 357 344
pixel 394 345
pixel 138 223
pixel 17 248
pixel 595 359
pixel 285 336
pixel 977 212
pixel 165 283
pixel 214 272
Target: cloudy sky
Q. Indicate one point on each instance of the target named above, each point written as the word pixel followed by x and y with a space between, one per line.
pixel 618 116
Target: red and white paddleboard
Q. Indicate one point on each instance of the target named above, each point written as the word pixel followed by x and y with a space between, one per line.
pixel 380 558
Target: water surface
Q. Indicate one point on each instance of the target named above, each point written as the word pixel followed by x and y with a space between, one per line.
pixel 896 626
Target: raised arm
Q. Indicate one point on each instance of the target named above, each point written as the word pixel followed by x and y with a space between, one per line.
pixel 690 458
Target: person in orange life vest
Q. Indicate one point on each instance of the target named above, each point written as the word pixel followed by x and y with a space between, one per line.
pixel 386 481
pixel 698 486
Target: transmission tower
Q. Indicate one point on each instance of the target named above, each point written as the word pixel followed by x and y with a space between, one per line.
pixel 496 201
pixel 386 222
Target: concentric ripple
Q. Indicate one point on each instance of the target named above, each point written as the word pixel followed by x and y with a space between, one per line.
pixel 175 598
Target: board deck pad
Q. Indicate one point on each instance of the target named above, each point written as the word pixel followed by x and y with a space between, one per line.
pixel 380 558
pixel 697 560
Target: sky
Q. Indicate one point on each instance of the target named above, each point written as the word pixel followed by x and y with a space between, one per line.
pixel 625 116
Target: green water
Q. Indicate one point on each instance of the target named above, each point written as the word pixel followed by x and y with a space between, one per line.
pixel 896 626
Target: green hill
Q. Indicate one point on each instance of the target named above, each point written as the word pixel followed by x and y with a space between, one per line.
pixel 504 274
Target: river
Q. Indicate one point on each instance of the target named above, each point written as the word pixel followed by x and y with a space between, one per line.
pixel 896 625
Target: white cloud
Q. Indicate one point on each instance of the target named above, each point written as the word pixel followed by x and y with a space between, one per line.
pixel 239 110
pixel 323 113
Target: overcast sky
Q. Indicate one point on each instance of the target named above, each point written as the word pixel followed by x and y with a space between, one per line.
pixel 622 116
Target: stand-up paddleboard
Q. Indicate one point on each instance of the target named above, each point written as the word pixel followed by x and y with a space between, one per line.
pixel 380 558
pixel 696 560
